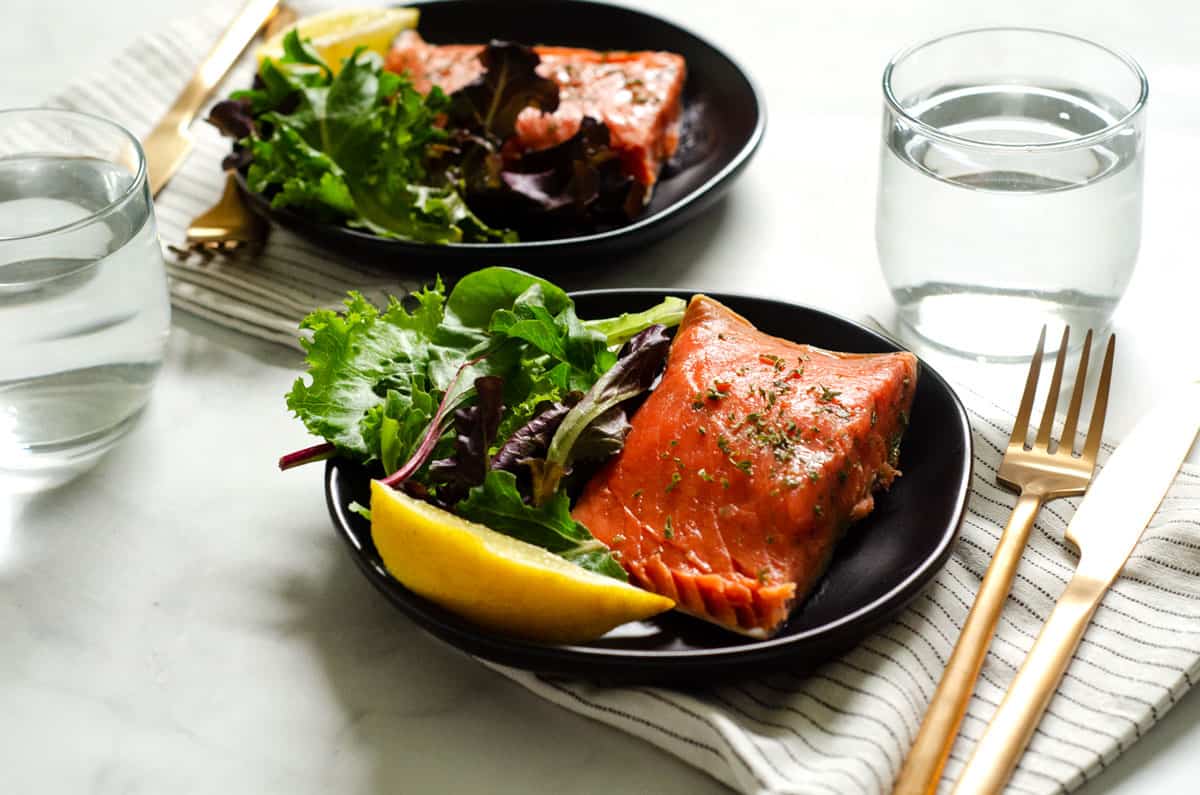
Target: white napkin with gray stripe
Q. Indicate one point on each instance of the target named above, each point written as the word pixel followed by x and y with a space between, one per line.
pixel 846 727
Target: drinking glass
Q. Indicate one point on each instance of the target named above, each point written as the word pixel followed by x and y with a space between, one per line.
pixel 1010 186
pixel 84 313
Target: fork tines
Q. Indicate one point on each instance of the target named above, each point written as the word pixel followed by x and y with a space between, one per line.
pixel 1066 446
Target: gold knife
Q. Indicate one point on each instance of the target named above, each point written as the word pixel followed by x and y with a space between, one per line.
pixel 168 145
pixel 1106 527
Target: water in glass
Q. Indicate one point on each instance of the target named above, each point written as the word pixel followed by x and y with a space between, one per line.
pixel 977 244
pixel 83 312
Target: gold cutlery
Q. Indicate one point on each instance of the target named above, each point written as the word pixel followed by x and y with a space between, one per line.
pixel 1038 475
pixel 230 224
pixel 1105 529
pixel 168 144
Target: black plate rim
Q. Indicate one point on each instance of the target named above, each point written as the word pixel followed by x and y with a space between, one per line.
pixel 537 656
pixel 726 173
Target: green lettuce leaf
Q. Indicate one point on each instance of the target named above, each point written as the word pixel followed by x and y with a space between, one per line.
pixel 561 336
pixel 395 427
pixel 619 330
pixel 498 504
pixel 365 365
pixel 480 294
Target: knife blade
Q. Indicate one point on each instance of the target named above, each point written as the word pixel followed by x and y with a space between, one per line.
pixel 1106 527
pixel 169 143
pixel 1126 493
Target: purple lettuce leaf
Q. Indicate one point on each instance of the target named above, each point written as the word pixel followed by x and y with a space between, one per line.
pixel 475 429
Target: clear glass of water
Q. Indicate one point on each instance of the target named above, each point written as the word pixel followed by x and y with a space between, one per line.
pixel 1010 186
pixel 84 314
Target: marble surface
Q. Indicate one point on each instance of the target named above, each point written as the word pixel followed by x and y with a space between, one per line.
pixel 181 619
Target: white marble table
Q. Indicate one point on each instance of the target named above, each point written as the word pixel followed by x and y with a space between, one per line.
pixel 181 619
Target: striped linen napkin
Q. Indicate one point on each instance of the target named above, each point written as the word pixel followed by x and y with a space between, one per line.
pixel 846 727
pixel 264 295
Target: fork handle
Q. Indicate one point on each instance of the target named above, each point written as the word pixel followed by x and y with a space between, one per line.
pixel 223 56
pixel 923 768
pixel 1012 726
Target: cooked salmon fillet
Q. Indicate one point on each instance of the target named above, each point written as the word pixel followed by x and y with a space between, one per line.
pixel 745 465
pixel 637 94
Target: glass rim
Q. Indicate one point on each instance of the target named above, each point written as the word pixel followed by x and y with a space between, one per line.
pixel 1071 143
pixel 139 177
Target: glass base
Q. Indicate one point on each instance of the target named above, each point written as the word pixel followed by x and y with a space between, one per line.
pixel 31 468
pixel 998 327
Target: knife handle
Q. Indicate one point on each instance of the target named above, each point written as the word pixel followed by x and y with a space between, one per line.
pixel 1009 731
pixel 923 767
pixel 212 69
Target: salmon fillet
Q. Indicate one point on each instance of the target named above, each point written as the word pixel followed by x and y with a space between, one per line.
pixel 745 465
pixel 636 94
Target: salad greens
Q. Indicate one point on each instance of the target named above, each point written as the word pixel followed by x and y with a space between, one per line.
pixel 509 84
pixel 596 425
pixel 349 148
pixel 364 148
pixel 482 400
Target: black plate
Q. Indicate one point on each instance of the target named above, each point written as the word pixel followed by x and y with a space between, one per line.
pixel 880 565
pixel 724 119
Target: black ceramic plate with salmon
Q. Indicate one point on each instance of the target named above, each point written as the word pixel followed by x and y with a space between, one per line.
pixel 881 564
pixel 722 124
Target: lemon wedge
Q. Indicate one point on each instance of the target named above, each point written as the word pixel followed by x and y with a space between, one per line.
pixel 496 581
pixel 336 33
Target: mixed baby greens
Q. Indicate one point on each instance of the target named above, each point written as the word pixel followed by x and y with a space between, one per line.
pixel 485 401
pixel 363 148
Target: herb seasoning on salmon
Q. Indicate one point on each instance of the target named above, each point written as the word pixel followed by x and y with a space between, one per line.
pixel 773 449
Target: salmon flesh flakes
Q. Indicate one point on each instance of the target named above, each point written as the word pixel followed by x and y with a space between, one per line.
pixel 749 461
pixel 637 95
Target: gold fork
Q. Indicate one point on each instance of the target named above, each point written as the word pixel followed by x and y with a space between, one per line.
pixel 227 225
pixel 1038 475
pixel 230 224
